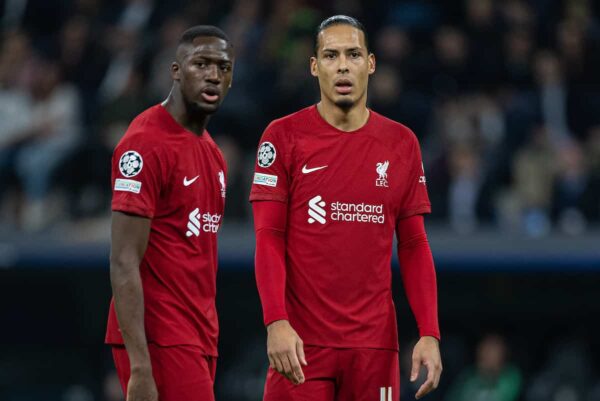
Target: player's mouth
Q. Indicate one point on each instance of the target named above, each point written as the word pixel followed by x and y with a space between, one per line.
pixel 343 86
pixel 210 94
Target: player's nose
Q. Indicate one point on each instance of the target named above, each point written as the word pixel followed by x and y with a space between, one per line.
pixel 343 65
pixel 213 74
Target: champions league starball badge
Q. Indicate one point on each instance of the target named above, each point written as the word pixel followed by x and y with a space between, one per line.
pixel 266 154
pixel 131 163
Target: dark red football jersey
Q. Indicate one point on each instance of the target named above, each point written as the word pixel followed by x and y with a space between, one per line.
pixel 164 172
pixel 345 192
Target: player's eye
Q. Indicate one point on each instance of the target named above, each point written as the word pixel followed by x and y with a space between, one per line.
pixel 200 64
pixel 355 54
pixel 225 67
pixel 330 56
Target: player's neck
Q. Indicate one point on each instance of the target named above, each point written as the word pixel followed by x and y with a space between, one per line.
pixel 344 119
pixel 192 121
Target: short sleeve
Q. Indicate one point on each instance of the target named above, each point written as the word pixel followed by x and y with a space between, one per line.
pixel 415 199
pixel 137 178
pixel 271 173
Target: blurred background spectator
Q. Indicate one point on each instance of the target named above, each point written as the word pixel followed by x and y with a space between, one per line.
pixel 477 83
pixel 492 378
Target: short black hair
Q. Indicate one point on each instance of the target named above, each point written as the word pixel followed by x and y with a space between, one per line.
pixel 203 30
pixel 340 20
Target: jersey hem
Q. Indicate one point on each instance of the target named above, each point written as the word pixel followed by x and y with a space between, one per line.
pixel 275 318
pixel 117 343
pixel 133 209
pixel 265 197
pixel 352 346
pixel 423 209
pixel 434 334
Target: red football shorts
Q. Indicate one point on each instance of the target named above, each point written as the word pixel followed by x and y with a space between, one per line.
pixel 335 374
pixel 181 373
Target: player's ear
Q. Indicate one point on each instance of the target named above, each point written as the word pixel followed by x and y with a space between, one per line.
pixel 175 71
pixel 314 70
pixel 371 62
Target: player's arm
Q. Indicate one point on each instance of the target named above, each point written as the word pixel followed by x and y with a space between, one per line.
pixel 419 279
pixel 129 239
pixel 284 347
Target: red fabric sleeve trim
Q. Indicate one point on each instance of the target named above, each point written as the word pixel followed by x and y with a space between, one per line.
pixel 133 209
pixel 268 197
pixel 423 209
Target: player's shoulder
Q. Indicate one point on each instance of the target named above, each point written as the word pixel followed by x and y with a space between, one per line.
pixel 394 132
pixel 393 128
pixel 146 130
pixel 290 123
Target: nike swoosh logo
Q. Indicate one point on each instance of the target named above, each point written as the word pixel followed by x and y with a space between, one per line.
pixel 187 182
pixel 310 170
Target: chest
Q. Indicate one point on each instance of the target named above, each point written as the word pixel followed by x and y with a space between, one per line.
pixel 197 180
pixel 349 169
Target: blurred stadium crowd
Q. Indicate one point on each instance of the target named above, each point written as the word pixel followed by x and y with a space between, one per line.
pixel 504 96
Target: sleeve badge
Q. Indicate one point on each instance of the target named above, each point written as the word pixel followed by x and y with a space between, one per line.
pixel 131 163
pixel 266 154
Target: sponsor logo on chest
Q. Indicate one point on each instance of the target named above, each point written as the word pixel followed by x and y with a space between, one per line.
pixel 207 222
pixel 319 211
pixel 198 222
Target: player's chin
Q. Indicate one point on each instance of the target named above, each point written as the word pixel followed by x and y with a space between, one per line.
pixel 344 102
pixel 207 108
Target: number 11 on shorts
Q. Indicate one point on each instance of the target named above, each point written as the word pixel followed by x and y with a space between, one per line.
pixel 385 394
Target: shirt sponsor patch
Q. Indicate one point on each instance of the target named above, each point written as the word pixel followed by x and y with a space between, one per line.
pixel 128 185
pixel 345 212
pixel 265 179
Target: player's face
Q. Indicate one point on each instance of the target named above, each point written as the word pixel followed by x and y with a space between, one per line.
pixel 342 65
pixel 204 70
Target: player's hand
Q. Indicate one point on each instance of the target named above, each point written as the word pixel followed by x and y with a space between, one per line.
pixel 141 386
pixel 286 351
pixel 427 353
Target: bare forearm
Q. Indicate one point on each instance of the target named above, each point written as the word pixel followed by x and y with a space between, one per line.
pixel 129 305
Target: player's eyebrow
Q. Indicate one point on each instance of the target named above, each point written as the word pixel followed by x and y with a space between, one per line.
pixel 351 49
pixel 201 54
